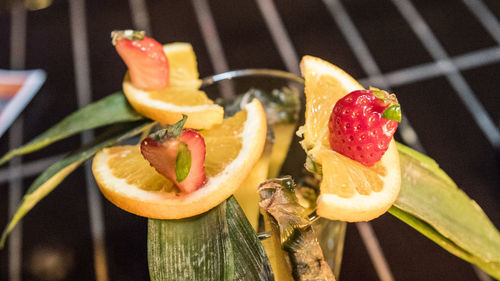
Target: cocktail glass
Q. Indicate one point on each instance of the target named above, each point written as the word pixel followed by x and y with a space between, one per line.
pixel 226 85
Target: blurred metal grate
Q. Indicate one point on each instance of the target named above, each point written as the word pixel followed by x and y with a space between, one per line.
pixel 17 61
pixel 84 97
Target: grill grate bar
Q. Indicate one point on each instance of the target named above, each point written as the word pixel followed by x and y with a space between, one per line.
pixel 213 43
pixel 279 35
pixel 84 96
pixel 28 169
pixel 368 63
pixel 433 69
pixel 17 61
pixel 430 42
pixel 375 252
pixel 140 16
pixel 355 40
pixel 485 17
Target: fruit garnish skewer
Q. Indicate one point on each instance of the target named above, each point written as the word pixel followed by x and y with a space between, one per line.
pixel 422 179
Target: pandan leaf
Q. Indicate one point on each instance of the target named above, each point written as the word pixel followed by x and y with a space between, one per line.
pixel 250 259
pixel 58 171
pixel 109 110
pixel 196 248
pixel 492 268
pixel 429 196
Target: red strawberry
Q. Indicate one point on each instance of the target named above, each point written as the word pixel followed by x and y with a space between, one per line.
pixel 177 154
pixel 144 57
pixel 362 124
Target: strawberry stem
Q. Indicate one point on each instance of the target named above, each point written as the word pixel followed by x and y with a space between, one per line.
pixel 182 162
pixel 171 131
pixel 393 112
pixel 175 130
pixel 128 34
pixel 384 96
pixel 379 94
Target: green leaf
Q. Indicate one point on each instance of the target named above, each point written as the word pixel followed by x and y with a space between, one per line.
pixel 109 110
pixel 393 112
pixel 175 130
pixel 250 259
pixel 182 162
pixel 58 171
pixel 196 248
pixel 429 195
pixel 170 132
pixel 492 268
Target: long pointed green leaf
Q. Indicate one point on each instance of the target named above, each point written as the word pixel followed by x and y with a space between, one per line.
pixel 431 196
pixel 57 172
pixel 492 268
pixel 196 249
pixel 431 202
pixel 109 110
pixel 250 259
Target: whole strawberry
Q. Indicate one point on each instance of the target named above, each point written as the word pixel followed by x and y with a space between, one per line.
pixel 362 124
pixel 146 61
pixel 178 154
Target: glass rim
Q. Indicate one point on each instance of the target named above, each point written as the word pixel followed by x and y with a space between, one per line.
pixel 229 75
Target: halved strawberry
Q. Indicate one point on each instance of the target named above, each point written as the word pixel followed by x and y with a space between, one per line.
pixel 177 154
pixel 144 57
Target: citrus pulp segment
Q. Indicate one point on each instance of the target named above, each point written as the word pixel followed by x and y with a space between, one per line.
pixel 181 96
pixel 352 192
pixel 349 191
pixel 183 65
pixel 128 181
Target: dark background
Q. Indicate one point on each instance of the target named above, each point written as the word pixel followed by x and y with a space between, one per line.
pixel 59 226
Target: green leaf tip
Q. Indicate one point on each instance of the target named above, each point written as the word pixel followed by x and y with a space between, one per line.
pixel 171 131
pixel 106 111
pixel 182 162
pixel 393 112
pixel 175 130
pixel 57 172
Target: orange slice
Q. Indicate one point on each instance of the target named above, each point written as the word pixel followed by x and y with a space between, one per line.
pixel 180 97
pixel 232 149
pixel 349 191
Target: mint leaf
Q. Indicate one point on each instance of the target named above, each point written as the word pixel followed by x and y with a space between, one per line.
pixel 183 162
pixel 170 132
pixel 393 112
pixel 175 130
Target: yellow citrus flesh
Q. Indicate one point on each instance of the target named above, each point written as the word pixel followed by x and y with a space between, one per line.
pixel 181 96
pixel 182 65
pixel 127 180
pixel 247 195
pixel 349 191
pixel 283 135
pixel 277 256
